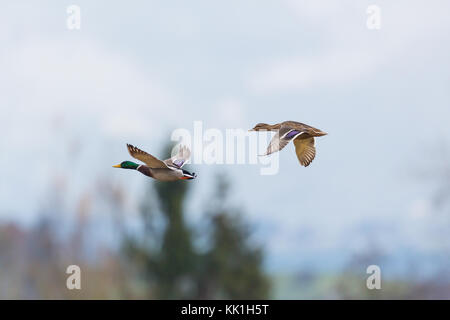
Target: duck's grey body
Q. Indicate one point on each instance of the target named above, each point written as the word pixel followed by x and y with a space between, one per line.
pixel 161 174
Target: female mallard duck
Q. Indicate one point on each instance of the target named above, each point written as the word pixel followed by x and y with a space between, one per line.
pixel 302 135
pixel 167 170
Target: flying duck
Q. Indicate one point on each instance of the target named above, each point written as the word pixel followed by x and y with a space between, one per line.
pixel 167 170
pixel 302 135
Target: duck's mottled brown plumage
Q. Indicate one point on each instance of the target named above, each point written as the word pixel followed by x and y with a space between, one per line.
pixel 302 135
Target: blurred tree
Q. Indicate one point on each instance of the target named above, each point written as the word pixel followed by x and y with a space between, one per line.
pixel 175 263
pixel 230 268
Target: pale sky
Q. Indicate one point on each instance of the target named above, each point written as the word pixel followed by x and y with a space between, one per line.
pixel 136 71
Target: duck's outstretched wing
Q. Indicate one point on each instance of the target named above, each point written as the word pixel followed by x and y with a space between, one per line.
pixel 305 150
pixel 282 138
pixel 180 159
pixel 145 157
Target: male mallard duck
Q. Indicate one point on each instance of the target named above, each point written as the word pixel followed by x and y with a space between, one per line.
pixel 302 135
pixel 167 170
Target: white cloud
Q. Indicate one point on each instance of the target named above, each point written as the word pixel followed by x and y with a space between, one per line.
pixel 336 68
pixel 349 51
pixel 81 80
pixel 420 208
pixel 230 112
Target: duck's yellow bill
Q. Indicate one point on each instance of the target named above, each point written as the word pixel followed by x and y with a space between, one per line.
pixel 117 166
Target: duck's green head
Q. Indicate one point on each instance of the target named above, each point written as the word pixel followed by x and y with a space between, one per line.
pixel 127 165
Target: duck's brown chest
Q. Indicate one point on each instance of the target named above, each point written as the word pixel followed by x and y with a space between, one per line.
pixel 145 170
